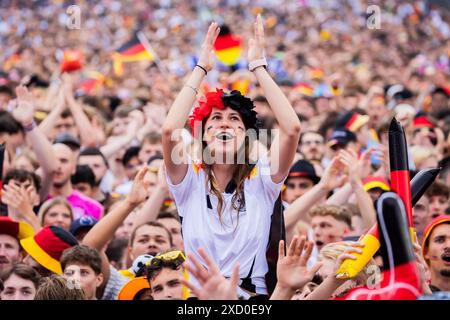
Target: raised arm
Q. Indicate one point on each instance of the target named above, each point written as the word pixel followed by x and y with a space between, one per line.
pixel 104 230
pixel 20 206
pixel 85 128
pixel 327 288
pixel 117 143
pixel 283 148
pixel 47 125
pixel 179 111
pixel 363 199
pixel 333 177
pixel 152 206
pixel 23 113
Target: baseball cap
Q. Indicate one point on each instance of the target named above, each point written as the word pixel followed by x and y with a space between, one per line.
pixel 133 287
pixel 303 168
pixel 352 121
pixel 82 222
pixel 341 137
pixel 69 140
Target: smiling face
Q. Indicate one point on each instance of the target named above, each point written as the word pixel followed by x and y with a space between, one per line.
pixel 224 132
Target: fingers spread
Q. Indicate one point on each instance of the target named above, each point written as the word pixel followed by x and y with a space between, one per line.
pixel 212 267
pixel 281 252
pixel 291 249
pixel 235 276
pixel 189 285
pixel 300 246
pixel 308 250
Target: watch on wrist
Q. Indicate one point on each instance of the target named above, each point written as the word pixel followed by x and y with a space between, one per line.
pixel 257 63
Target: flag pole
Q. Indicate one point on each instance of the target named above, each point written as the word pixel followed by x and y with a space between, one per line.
pixel 143 39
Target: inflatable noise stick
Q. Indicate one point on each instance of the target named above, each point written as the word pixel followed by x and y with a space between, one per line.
pixel 2 157
pixel 421 182
pixel 350 268
pixel 400 277
pixel 398 158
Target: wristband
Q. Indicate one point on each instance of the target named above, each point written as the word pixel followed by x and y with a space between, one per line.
pixel 206 72
pixel 257 63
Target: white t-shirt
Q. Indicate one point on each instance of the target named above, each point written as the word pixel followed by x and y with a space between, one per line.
pixel 228 242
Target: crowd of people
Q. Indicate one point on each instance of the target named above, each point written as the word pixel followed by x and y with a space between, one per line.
pixel 147 185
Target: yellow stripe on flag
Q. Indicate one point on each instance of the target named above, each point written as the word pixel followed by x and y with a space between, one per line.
pixel 229 56
pixel 141 56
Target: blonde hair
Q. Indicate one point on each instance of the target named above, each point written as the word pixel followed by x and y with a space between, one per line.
pixel 340 213
pixel 30 156
pixel 420 154
pixel 58 288
pixel 47 205
pixel 332 251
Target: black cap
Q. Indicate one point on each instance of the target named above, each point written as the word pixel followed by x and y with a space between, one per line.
pixel 341 137
pixel 305 169
pixel 69 140
pixel 352 121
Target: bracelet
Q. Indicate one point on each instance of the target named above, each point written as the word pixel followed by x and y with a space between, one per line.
pixel 257 63
pixel 30 126
pixel 206 72
pixel 196 91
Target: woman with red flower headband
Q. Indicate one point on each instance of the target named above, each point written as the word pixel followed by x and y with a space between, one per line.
pixel 226 204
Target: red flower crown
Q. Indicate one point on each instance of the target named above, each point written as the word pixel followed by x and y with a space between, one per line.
pixel 210 100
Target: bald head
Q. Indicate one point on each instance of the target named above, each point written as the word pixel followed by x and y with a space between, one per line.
pixel 66 165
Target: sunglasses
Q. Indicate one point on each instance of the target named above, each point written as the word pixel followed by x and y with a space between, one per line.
pixel 176 256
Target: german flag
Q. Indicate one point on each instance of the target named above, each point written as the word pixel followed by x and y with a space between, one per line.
pixel 131 51
pixel 72 61
pixel 241 85
pixel 227 47
pixel 305 89
pixel 91 80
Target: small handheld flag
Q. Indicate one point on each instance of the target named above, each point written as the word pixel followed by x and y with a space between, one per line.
pixel 72 61
pixel 131 51
pixel 227 47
